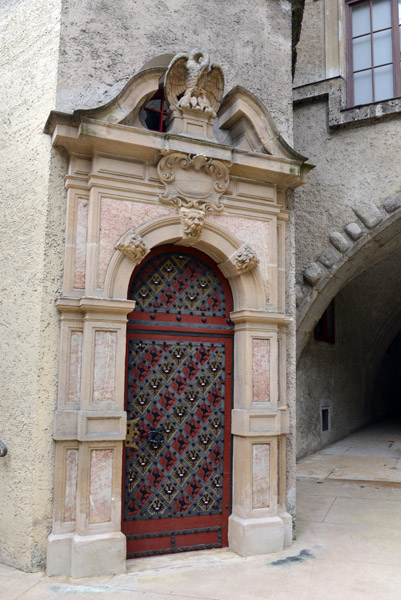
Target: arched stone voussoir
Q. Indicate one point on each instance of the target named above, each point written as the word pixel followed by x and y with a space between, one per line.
pixel 374 234
pixel 218 243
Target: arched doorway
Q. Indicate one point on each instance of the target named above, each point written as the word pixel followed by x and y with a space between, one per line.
pixel 177 456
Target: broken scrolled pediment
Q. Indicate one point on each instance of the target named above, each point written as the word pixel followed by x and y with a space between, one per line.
pixel 132 246
pixel 193 181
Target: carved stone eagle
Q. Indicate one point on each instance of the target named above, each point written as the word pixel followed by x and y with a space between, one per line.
pixel 193 84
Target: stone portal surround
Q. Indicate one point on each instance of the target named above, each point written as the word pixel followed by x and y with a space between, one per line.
pixel 228 203
pixel 90 423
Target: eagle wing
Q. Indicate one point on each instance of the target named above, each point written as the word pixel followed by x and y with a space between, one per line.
pixel 214 86
pixel 175 81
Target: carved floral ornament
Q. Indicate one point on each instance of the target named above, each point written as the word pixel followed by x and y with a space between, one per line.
pixel 245 259
pixel 132 246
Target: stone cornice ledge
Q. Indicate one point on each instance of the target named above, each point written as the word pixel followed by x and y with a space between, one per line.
pixel 260 318
pixel 334 90
pixel 94 305
pixel 93 136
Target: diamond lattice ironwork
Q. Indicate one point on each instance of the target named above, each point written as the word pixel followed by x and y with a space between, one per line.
pixel 179 399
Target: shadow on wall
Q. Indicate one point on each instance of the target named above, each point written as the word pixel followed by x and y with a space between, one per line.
pixel 387 388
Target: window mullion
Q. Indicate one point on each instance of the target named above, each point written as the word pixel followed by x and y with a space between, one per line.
pixel 396 48
pixel 371 51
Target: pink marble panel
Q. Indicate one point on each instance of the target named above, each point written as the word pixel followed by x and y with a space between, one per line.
pixel 81 234
pixel 260 370
pixel 261 476
pixel 71 475
pixel 116 216
pixel 100 492
pixel 74 367
pixel 253 232
pixel 104 366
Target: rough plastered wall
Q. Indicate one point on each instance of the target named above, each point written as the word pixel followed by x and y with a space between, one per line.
pixel 311 59
pixel 291 358
pixel 31 246
pixel 356 167
pixel 103 44
pixel 342 376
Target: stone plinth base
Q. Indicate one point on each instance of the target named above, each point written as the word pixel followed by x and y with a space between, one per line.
pixel 86 556
pixel 287 520
pixel 59 554
pixel 249 537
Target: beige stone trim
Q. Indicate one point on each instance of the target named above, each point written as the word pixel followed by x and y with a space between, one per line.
pixel 60 525
pixel 71 323
pixel 216 242
pixel 112 524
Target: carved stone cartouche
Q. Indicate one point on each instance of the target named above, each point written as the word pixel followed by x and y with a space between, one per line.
pixel 193 181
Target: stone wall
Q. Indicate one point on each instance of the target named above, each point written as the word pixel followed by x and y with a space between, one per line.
pixel 355 151
pixel 342 376
pixel 32 210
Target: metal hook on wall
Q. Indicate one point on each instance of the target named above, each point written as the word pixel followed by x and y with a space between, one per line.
pixel 3 449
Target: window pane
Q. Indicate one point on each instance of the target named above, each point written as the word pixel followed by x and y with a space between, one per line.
pixel 382 47
pixel 384 82
pixel 362 53
pixel 399 11
pixel 381 13
pixel 361 19
pixel 363 87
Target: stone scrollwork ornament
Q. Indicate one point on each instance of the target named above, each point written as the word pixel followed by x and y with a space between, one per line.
pixel 192 221
pixel 193 84
pixel 193 181
pixel 132 246
pixel 245 259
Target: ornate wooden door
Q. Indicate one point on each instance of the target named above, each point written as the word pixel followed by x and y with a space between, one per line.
pixel 178 400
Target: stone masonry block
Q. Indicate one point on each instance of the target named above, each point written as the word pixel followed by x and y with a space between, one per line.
pixel 300 292
pixel 329 257
pixel 354 231
pixel 370 215
pixel 339 241
pixel 392 204
pixel 313 274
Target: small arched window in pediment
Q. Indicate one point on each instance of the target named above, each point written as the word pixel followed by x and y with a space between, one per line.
pixel 153 114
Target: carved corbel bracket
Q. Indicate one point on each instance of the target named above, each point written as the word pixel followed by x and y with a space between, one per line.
pixel 193 181
pixel 132 246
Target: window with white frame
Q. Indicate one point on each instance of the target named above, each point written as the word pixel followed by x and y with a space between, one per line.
pixel 373 50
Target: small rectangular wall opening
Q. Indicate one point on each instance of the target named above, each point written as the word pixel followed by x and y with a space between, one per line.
pixel 325 419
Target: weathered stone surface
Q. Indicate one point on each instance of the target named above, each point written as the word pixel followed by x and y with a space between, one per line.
pixel 116 41
pixel 370 215
pixel 300 293
pixel 353 230
pixel 329 257
pixel 392 204
pixel 339 241
pixel 313 274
